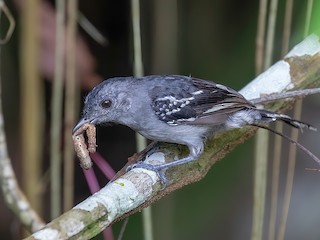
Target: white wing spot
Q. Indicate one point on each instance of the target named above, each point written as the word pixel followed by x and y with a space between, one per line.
pixel 187 120
pixel 197 92
pixel 174 100
pixel 222 87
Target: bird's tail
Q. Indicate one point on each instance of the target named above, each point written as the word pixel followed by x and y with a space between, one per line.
pixel 269 116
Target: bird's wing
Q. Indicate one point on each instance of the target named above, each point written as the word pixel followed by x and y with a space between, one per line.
pixel 195 101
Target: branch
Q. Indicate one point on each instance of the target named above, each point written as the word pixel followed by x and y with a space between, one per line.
pixel 13 196
pixel 138 188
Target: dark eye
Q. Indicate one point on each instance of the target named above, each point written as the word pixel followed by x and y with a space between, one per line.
pixel 106 103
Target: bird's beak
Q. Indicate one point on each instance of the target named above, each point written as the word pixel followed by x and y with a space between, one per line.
pixel 80 123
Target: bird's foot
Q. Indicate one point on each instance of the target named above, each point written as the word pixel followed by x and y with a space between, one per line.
pixel 158 169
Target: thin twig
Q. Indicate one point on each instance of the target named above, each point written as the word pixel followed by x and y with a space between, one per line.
pixel 277 150
pixel 287 28
pixel 138 64
pixel 56 105
pixel 270 33
pixel 123 228
pixel 70 108
pixel 12 22
pixel 91 30
pixel 260 41
pixel 290 175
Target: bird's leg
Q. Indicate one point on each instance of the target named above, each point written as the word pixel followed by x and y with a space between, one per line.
pixel 160 168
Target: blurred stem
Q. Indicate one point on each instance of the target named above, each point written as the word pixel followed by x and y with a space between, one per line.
pixel 290 175
pixel 56 106
pixel 70 111
pixel 260 35
pixel 91 30
pixel 165 52
pixel 138 72
pixel 292 148
pixel 308 18
pixel 31 104
pixel 275 181
pixel 260 183
pixel 279 128
pixel 262 141
pixel 12 23
pixel 165 46
pixel 138 65
pixel 270 33
pixel 147 223
pixel 287 28
pixel 123 228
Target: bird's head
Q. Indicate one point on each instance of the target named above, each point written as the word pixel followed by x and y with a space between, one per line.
pixel 106 103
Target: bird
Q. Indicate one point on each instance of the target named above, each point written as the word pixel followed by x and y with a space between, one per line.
pixel 177 109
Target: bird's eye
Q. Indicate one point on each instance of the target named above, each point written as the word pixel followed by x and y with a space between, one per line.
pixel 106 103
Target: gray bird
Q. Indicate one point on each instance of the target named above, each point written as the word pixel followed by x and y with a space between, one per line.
pixel 176 109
